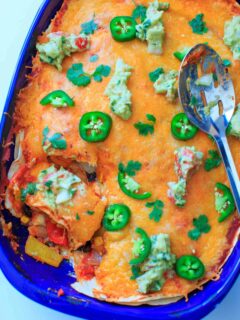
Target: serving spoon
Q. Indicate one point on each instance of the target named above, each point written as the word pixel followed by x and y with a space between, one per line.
pixel 207 95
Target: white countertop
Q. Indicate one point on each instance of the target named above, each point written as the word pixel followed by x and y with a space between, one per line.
pixel 15 19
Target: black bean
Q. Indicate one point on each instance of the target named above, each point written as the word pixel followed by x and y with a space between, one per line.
pixel 27 210
pixel 92 176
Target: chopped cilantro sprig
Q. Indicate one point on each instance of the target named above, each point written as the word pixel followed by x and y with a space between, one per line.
pixel 94 58
pixel 89 27
pixel 146 128
pixel 139 13
pixel 77 75
pixel 56 141
pixel 80 78
pixel 198 25
pixel 90 212
pixel 100 72
pixel 30 189
pixel 157 210
pixel 201 226
pixel 131 168
pixel 151 117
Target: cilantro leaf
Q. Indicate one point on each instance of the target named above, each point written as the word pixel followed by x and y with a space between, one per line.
pixel 151 117
pixel 227 63
pixel 214 161
pixel 201 223
pixel 157 211
pixel 90 213
pixel 201 226
pixel 30 189
pixel 101 71
pixel 77 75
pixel 198 25
pixel 131 168
pixel 45 134
pixel 94 58
pixel 56 141
pixel 139 13
pixel 80 78
pixel 89 27
pixel 194 234
pixel 154 75
pixel 144 128
pixel 77 217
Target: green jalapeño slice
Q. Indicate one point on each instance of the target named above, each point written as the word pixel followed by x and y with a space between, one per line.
pixel 95 126
pixel 224 201
pixel 116 217
pixel 123 28
pixel 57 99
pixel 190 267
pixel 141 248
pixel 181 127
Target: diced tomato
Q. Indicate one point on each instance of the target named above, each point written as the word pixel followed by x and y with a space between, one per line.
pixel 56 234
pixel 60 293
pixel 82 43
pixel 86 272
pixel 86 269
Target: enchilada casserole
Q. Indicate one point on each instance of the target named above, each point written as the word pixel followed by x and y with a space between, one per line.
pixel 109 173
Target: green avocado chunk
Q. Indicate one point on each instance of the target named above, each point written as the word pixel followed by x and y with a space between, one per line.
pixel 158 262
pixel 166 83
pixel 118 93
pixel 234 127
pixel 232 36
pixel 152 29
pixel 60 46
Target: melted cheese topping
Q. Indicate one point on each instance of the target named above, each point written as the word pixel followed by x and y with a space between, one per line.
pixel 155 152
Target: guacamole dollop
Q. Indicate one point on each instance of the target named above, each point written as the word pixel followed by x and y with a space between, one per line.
pixel 232 36
pixel 59 186
pixel 158 262
pixel 186 159
pixel 166 83
pixel 60 46
pixel 177 192
pixel 152 29
pixel 118 93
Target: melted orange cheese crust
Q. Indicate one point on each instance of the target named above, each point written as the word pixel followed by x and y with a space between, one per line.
pixel 124 143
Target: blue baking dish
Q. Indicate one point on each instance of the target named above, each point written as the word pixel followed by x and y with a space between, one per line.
pixel 41 282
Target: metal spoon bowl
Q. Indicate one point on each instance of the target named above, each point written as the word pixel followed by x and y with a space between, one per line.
pixel 207 95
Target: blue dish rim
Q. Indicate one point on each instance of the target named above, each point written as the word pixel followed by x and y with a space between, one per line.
pixel 200 303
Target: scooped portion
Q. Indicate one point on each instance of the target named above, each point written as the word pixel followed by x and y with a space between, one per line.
pixel 57 205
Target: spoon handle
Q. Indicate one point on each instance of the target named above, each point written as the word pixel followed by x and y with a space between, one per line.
pixel 230 168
